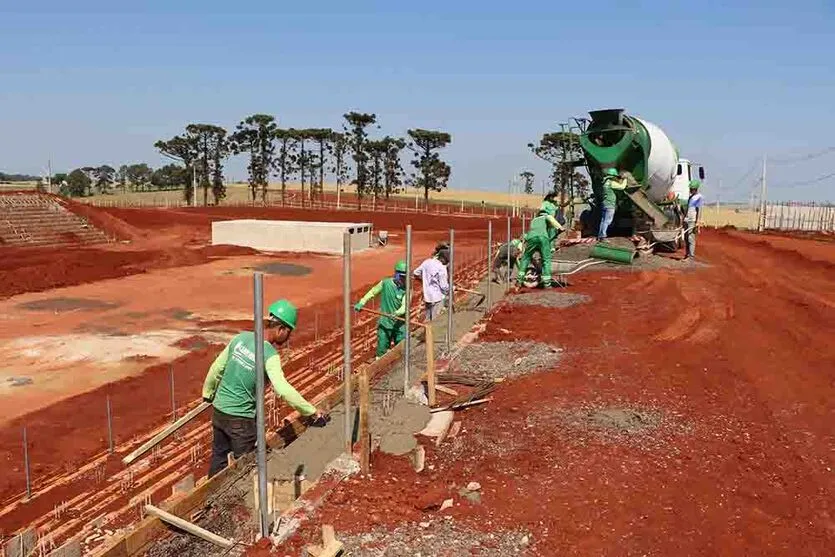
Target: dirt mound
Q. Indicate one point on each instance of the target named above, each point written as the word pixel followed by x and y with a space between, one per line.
pixel 505 359
pixel 550 298
pixel 102 220
pixel 36 270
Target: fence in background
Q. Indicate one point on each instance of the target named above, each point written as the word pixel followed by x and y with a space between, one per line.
pixel 793 215
pixel 434 208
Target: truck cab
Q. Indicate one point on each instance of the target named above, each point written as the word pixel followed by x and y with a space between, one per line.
pixel 685 171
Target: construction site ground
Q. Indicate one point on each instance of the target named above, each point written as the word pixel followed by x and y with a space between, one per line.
pixel 81 326
pixel 690 413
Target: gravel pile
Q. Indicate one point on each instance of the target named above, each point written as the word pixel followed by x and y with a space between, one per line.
pixel 227 517
pixel 621 423
pixel 505 359
pixel 438 537
pixel 550 299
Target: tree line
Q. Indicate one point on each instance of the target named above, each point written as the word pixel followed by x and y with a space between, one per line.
pixel 307 155
pixel 104 179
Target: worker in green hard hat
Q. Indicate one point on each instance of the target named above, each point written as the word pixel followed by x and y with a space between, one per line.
pixel 543 229
pixel 392 291
pixel 230 386
pixel 500 259
pixel 611 183
pixel 692 218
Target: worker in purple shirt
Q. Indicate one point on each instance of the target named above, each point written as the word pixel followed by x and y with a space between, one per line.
pixel 433 275
pixel 692 219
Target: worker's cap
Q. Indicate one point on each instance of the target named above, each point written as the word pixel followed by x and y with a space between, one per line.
pixel 400 267
pixel 611 171
pixel 284 312
pixel 695 184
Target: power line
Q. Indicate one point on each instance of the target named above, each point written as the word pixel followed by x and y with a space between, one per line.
pixel 801 158
pixel 808 182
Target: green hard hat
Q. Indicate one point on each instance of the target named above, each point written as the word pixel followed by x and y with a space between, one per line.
pixel 400 267
pixel 285 312
pixel 612 171
pixel 695 184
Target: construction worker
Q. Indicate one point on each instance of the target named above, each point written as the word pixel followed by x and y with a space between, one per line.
pixel 434 275
pixel 500 270
pixel 543 230
pixel 611 183
pixel 692 219
pixel 230 386
pixel 392 302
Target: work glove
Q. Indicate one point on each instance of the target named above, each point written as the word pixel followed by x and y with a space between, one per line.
pixel 357 307
pixel 319 419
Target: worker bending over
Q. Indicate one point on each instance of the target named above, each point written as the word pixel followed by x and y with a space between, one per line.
pixel 611 183
pixel 392 303
pixel 543 230
pixel 230 386
pixel 692 219
pixel 500 268
pixel 434 276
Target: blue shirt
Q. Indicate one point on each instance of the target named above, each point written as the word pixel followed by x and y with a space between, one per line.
pixel 693 203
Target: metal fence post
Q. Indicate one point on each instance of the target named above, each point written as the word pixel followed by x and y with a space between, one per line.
pixel 173 399
pixel 489 263
pixel 110 446
pixel 346 338
pixel 261 432
pixel 407 358
pixel 507 281
pixel 450 309
pixel 26 464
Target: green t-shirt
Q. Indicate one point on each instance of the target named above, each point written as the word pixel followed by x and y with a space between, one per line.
pixel 392 301
pixel 230 383
pixel 610 184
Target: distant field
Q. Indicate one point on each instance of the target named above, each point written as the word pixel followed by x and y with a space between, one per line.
pixel 739 216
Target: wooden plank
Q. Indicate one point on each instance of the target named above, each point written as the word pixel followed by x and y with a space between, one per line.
pixel 364 434
pixel 189 527
pixel 165 433
pixel 462 405
pixel 447 390
pixel 429 341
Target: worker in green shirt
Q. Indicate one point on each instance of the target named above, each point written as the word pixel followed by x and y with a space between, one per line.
pixel 611 183
pixel 230 386
pixel 392 293
pixel 543 230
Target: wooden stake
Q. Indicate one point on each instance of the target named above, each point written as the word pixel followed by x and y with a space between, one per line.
pixel 430 366
pixel 364 434
pixel 188 527
pixel 330 546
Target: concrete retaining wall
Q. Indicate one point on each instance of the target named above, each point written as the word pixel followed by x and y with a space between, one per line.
pixel 284 235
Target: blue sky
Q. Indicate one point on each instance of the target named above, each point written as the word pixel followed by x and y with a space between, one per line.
pixel 88 83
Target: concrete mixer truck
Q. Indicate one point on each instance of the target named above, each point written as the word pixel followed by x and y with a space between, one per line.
pixel 658 179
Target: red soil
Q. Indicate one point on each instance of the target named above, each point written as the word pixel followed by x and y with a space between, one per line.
pixel 159 237
pixel 739 358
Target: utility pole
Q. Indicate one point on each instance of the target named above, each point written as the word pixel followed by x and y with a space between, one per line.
pixel 761 220
pixel 49 176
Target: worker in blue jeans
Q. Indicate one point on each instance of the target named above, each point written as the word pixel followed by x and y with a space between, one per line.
pixel 611 183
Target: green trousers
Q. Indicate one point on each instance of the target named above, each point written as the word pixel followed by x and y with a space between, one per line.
pixel 386 336
pixel 535 243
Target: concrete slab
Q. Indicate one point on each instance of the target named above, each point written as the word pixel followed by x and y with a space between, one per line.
pixel 286 235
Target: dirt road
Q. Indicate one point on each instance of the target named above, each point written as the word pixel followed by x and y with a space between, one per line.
pixel 692 414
